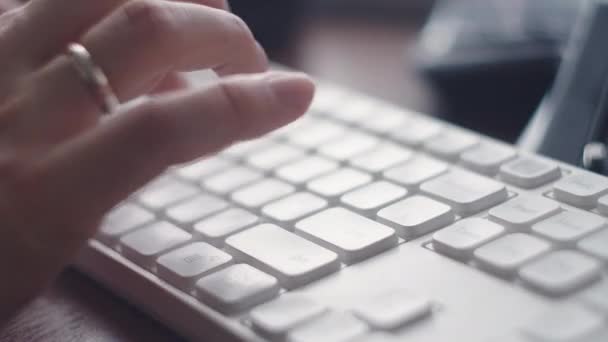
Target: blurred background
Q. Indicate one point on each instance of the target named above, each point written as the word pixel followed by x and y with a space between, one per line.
pixel 483 64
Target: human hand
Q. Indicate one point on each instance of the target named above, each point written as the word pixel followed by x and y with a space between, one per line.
pixel 62 168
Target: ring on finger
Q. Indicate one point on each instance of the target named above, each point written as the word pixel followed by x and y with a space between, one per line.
pixel 94 78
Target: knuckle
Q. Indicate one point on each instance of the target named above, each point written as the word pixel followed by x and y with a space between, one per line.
pixel 151 17
pixel 237 120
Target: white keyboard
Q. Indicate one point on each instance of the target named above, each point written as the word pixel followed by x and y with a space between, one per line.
pixel 364 222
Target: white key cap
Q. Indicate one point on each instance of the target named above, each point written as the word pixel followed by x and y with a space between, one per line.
pixel 144 245
pixel 166 194
pixel 242 149
pixel 203 168
pixel 449 145
pixel 596 244
pixel 352 236
pixel 560 273
pixel 231 179
pixel 356 109
pixel 217 228
pixel 316 133
pixel 596 297
pixel 121 220
pixel 463 237
pixel 524 210
pixel 382 157
pixel 195 209
pixel 327 98
pixel 262 192
pixel 386 120
pixel 392 309
pixel 182 266
pixel 274 156
pixel 377 337
pixel 338 182
pixel 305 122
pixel 602 204
pixel 306 169
pixel 581 190
pixel 465 191
pixel 566 323
pixel 416 216
pixel 514 337
pixel 487 158
pixel 373 196
pixel 569 226
pixel 334 327
pixel 506 254
pixel 349 145
pixel 294 207
pixel 236 288
pixel 292 259
pixel 417 131
pixel 529 173
pixel 416 171
pixel 276 318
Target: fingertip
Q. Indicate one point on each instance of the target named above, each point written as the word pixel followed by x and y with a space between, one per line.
pixel 294 91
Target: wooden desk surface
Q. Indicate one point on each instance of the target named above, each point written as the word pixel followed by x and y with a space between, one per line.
pixel 75 308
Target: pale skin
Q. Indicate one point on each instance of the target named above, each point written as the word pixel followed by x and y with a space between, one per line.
pixel 62 168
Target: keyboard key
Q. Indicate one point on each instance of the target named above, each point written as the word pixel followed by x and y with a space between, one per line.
pixel 581 190
pixel 335 327
pixel 377 337
pixel 185 264
pixel 121 220
pixel 349 145
pixel 566 323
pixel 274 156
pixel 339 182
pixel 327 98
pixel 231 179
pixel 449 145
pixel 416 171
pixel 203 168
pixel 244 148
pixel 294 207
pixel 306 169
pixel 465 191
pixel 316 133
pixel 166 194
pixel 276 318
pixel 386 120
pixel 417 131
pixel 393 309
pixel 524 210
pixel 236 288
pixel 292 259
pixel 596 297
pixel 569 226
pixel 602 205
pixel 217 228
pixel 487 158
pixel 596 244
pixel 529 173
pixel 261 193
pixel 144 245
pixel 560 273
pixel 515 337
pixel 357 109
pixel 373 196
pixel 352 236
pixel 506 254
pixel 382 157
pixel 416 216
pixel 195 209
pixel 463 237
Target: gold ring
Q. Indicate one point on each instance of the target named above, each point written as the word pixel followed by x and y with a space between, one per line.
pixel 94 78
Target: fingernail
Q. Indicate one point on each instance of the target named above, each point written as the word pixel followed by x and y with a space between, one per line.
pixel 293 90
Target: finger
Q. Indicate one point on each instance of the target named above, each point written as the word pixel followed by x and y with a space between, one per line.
pixel 149 37
pixel 169 83
pixel 49 25
pixel 95 171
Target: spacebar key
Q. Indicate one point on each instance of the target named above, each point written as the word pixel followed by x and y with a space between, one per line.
pixel 293 260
